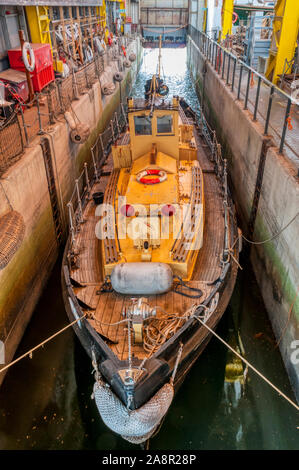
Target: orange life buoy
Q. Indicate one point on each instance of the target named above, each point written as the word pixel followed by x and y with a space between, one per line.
pixel 235 17
pixel 142 176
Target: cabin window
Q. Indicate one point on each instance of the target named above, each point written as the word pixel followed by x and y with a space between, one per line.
pixel 143 125
pixel 164 124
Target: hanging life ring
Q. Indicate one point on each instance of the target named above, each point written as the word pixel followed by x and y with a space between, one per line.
pixel 88 54
pixel 160 176
pixel 27 49
pixel 235 17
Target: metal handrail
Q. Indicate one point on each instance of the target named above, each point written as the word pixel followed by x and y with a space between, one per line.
pixel 41 118
pixel 213 52
pixel 91 173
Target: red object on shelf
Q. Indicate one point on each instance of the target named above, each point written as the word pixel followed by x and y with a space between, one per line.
pixel 17 82
pixel 43 73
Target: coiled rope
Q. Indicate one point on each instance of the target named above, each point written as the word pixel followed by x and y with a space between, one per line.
pixel 162 328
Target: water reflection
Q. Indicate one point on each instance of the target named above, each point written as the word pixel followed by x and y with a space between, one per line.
pixel 174 72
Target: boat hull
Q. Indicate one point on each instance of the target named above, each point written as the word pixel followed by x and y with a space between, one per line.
pixel 195 341
pixel 170 363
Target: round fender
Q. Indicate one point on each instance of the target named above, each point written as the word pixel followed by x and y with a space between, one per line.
pixel 127 64
pixel 132 57
pixel 142 278
pixel 27 49
pixel 108 88
pixel 80 134
pixel 118 77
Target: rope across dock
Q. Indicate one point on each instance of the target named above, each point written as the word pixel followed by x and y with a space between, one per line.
pixel 262 376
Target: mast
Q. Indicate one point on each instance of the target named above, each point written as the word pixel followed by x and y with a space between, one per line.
pixel 160 55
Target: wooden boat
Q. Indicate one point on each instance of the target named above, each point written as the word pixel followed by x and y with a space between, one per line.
pixel 140 299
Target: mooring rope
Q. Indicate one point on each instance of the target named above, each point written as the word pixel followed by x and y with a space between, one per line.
pixel 40 345
pixel 178 358
pixel 29 353
pixel 249 365
pixel 274 236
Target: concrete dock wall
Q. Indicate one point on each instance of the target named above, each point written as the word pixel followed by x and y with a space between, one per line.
pixel 24 188
pixel 275 263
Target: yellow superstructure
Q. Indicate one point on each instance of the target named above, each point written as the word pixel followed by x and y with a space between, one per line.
pixel 157 187
pixel 284 37
pixel 227 18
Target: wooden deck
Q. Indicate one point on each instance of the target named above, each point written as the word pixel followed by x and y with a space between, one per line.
pixel 104 309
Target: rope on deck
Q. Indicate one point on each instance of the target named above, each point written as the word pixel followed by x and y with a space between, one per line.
pixel 249 365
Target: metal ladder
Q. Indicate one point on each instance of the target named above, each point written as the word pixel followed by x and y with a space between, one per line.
pixel 45 145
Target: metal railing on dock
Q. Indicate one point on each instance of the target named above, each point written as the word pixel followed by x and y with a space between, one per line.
pixel 29 120
pixel 246 83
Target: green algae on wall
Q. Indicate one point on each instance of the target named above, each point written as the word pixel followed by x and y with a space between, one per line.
pixel 283 286
pixel 19 276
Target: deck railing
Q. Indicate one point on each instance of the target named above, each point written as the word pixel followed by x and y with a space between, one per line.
pixel 91 172
pixel 220 166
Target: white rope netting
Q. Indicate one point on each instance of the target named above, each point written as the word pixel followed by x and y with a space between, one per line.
pixel 135 426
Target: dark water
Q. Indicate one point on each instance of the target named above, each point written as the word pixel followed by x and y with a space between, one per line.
pixel 45 401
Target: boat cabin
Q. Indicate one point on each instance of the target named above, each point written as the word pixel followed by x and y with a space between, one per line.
pixel 156 191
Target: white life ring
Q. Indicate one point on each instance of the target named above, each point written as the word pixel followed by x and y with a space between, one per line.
pixel 28 49
pixel 160 176
pixel 66 71
pixel 68 31
pixel 58 33
pixel 98 45
pixel 235 17
pixel 88 54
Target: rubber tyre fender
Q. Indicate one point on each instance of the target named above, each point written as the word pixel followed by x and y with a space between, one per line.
pixel 118 77
pixel 127 64
pixel 132 57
